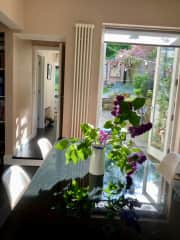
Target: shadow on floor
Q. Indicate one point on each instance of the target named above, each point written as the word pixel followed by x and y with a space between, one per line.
pixel 31 150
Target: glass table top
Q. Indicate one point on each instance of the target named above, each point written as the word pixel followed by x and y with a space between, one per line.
pixel 160 204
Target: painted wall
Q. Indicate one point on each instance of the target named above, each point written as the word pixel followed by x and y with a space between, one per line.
pixel 49 83
pixel 59 19
pixel 22 91
pixel 50 58
pixel 12 13
pixel 57 16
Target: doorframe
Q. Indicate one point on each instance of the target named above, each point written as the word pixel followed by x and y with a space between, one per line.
pixel 35 84
pixel 101 78
pixel 8 158
pixel 174 143
pixel 61 90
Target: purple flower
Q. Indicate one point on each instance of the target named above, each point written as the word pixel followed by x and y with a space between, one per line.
pixel 116 110
pixel 120 98
pixel 113 112
pixel 142 157
pixel 133 160
pixel 103 136
pixel 129 182
pixel 132 157
pixel 133 167
pixel 135 131
pixel 136 157
pixel 116 102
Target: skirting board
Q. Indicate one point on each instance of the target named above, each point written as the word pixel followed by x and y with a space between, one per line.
pixel 8 160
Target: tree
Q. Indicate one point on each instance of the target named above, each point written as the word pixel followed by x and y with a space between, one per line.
pixel 112 49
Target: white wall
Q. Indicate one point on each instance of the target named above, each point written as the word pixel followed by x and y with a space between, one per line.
pixel 50 58
pixel 22 91
pixel 58 19
pixel 12 13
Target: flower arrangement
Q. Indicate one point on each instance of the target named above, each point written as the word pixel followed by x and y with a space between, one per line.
pixel 117 134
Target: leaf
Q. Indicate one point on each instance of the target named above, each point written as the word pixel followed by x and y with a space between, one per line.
pixel 124 117
pixel 81 154
pixel 62 144
pixel 128 169
pixel 74 140
pixel 124 106
pixel 108 124
pixel 74 183
pixel 74 157
pixel 136 149
pixel 68 157
pixel 85 127
pixel 138 103
pixel 134 119
pixel 123 136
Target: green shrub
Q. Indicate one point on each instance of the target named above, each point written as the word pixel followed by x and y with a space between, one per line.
pixel 139 79
pixel 142 83
pixel 105 90
pixel 137 91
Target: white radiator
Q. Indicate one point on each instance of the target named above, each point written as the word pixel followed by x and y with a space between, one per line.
pixel 82 76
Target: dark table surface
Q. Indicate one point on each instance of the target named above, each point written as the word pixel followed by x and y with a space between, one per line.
pixel 37 216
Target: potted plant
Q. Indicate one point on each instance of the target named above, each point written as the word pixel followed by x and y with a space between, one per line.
pixel 116 136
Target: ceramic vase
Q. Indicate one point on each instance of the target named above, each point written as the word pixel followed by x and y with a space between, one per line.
pixel 96 165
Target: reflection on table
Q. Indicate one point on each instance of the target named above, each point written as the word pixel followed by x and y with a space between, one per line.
pixel 158 214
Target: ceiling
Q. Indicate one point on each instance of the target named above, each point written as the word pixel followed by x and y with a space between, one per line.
pixel 142 37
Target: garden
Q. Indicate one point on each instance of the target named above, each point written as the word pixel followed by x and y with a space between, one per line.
pixel 128 70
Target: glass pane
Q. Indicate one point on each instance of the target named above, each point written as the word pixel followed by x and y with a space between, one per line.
pixel 162 97
pixel 153 182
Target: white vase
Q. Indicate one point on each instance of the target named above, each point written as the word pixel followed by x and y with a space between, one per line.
pixel 96 165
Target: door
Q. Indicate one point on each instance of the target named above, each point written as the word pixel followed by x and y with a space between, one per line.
pixel 40 92
pixel 163 101
pixel 61 91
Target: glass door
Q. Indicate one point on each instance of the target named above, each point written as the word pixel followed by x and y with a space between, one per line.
pixel 163 101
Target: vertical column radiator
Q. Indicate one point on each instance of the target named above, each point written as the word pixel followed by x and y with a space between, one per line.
pixel 82 76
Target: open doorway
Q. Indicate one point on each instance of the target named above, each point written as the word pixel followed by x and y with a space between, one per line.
pixel 46 107
pixel 47 100
pixel 138 63
pixel 146 64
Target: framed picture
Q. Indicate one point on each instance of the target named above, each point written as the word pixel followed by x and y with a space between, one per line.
pixel 49 71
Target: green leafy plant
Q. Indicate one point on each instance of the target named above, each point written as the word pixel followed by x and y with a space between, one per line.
pixel 116 135
pixel 77 149
pixel 77 199
pixel 126 115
